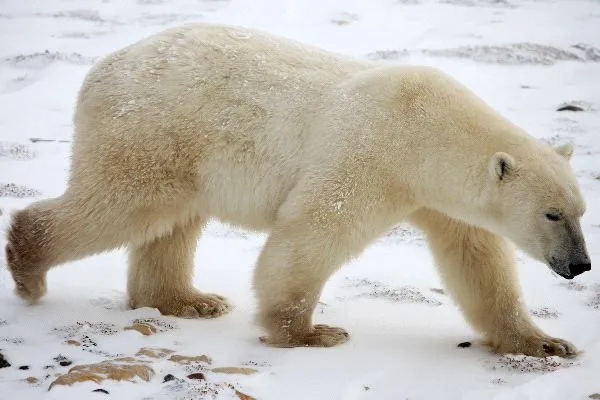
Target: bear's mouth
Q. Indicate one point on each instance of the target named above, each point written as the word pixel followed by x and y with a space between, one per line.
pixel 566 276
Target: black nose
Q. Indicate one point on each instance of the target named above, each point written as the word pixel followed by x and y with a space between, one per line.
pixel 578 269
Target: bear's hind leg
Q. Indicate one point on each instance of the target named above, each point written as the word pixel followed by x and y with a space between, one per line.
pixel 52 232
pixel 160 275
pixel 479 270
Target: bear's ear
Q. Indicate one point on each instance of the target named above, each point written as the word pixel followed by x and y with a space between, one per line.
pixel 501 165
pixel 565 150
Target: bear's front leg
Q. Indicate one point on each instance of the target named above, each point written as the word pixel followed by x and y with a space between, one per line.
pixel 290 274
pixel 315 234
pixel 479 270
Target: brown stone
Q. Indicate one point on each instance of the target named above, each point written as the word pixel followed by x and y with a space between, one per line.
pixel 244 396
pixel 32 379
pixel 73 342
pixel 154 352
pixel 594 396
pixel 105 370
pixel 130 359
pixel 185 360
pixel 144 328
pixel 235 370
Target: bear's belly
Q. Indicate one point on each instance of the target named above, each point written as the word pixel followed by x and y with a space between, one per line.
pixel 243 195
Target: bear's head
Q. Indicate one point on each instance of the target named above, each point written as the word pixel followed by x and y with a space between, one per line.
pixel 534 200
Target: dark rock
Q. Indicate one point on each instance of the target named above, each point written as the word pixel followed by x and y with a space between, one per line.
pixel 24 367
pixel 464 345
pixel 168 378
pixel 65 363
pixel 569 107
pixel 3 362
pixel 100 391
pixel 197 375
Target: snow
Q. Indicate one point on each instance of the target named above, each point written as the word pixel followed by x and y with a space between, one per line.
pixel 525 57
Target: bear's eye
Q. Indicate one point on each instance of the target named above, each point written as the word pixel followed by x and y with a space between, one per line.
pixel 553 217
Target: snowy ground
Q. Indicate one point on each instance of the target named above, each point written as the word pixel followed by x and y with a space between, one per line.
pixel 524 57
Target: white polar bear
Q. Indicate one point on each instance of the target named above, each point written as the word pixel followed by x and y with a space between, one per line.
pixel 325 153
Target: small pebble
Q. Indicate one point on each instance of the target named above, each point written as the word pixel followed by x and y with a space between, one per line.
pixel 197 375
pixel 100 391
pixel 168 378
pixel 464 345
pixel 24 367
pixel 65 363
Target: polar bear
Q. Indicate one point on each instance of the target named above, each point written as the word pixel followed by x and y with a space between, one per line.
pixel 323 152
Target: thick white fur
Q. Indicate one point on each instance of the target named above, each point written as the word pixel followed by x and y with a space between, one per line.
pixel 324 152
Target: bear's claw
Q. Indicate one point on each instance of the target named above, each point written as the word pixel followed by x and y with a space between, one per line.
pixel 320 336
pixel 189 305
pixel 537 346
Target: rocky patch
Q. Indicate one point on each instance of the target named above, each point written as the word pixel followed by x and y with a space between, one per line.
pixel 545 313
pixel 45 58
pixel 115 370
pixel 17 191
pixel 527 364
pixel 3 362
pixel 510 54
pixel 377 290
pixel 574 286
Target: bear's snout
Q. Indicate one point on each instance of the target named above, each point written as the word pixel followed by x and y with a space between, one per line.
pixel 579 268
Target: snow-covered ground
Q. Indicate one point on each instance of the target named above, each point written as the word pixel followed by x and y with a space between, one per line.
pixel 525 57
